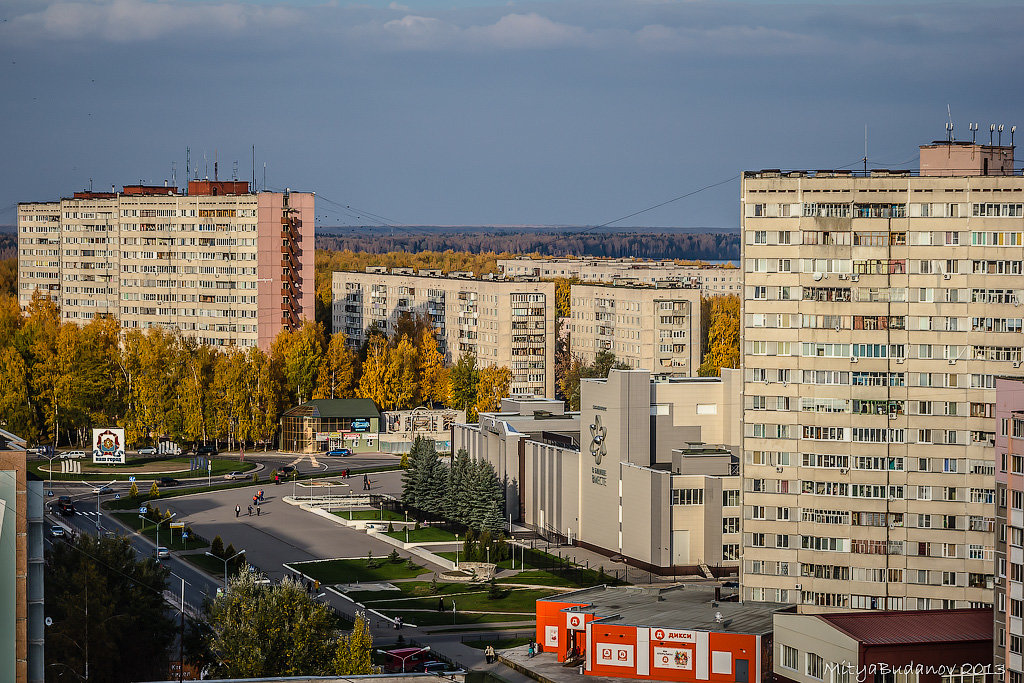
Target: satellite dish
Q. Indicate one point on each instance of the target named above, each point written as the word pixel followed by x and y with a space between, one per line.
pixel 817 276
pixel 718 617
pixel 48 621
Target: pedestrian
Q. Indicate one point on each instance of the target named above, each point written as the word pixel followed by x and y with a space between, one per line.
pixel 366 482
pixel 530 650
pixel 250 510
pixel 440 604
pixel 490 654
pixel 398 622
pixel 316 585
pixel 238 510
pixel 257 510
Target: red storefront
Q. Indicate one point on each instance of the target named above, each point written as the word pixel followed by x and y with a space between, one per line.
pixel 680 633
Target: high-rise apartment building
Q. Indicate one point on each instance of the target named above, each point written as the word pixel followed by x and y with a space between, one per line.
pixel 878 310
pixel 710 279
pixel 656 328
pixel 1008 631
pixel 220 263
pixel 502 322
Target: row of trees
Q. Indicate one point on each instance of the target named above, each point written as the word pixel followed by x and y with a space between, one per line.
pixel 468 492
pixel 57 379
pixel 720 328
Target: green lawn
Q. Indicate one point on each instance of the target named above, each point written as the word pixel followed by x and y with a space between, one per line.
pixel 425 534
pixel 569 578
pixel 130 469
pixel 531 563
pixel 356 570
pixel 499 644
pixel 210 565
pixel 436 618
pixel 132 520
pixel 372 515
pixel 414 589
pixel 520 600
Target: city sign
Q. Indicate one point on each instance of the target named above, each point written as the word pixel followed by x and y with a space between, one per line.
pixel 143 510
pixel 108 446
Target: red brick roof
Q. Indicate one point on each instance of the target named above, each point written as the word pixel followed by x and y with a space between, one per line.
pixel 923 626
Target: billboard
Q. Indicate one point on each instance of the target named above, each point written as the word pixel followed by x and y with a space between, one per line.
pixel 108 446
pixel 360 425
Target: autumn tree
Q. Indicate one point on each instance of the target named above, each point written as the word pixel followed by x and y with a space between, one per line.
pixel 336 377
pixel 354 654
pixel 433 375
pixel 376 372
pixel 603 363
pixel 723 336
pixel 302 359
pixel 563 297
pixel 492 386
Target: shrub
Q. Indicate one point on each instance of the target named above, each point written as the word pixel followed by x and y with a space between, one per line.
pixel 154 492
pixel 255 477
pixel 391 527
pixel 393 557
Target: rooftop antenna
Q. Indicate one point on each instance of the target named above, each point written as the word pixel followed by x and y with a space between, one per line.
pixel 264 176
pixel 949 117
pixel 90 184
pixel 1013 129
pixel 865 149
pixel 973 127
pixel 991 131
pixel 253 168
pixel 215 177
pixel 188 167
pixel 234 172
pixel 207 163
pixel 1000 129
pixel 174 173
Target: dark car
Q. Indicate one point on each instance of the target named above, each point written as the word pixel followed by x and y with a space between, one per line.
pixel 285 469
pixel 340 451
pixel 167 481
pixel 207 449
pixel 65 505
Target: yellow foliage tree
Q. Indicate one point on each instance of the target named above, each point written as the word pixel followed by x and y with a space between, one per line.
pixel 723 336
pixel 492 387
pixel 430 367
pixel 337 374
pixel 376 368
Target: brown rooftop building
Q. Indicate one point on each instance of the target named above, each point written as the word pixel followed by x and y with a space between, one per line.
pixel 904 646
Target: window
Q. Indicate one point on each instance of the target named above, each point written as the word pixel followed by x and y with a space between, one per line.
pixel 730 497
pixel 790 657
pixel 730 525
pixel 815 666
pixel 687 496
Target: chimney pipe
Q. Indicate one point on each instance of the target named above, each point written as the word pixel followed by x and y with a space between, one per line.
pixel 718 593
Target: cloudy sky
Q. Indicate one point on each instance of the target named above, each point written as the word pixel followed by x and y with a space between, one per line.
pixel 483 112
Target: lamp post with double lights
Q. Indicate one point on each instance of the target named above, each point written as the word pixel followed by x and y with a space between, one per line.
pixel 225 561
pixel 405 658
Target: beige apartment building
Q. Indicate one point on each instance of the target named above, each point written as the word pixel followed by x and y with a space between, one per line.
pixel 654 327
pixel 878 310
pixel 218 263
pixel 502 322
pixel 710 279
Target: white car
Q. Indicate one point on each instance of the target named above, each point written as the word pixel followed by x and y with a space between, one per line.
pixel 73 454
pixel 148 450
pixel 234 475
pixel 162 553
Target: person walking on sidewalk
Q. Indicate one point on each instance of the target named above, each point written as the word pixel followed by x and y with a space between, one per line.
pixel 238 510
pixel 366 482
pixel 489 654
pixel 250 510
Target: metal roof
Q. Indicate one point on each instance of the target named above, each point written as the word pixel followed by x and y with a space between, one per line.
pixel 909 627
pixel 335 408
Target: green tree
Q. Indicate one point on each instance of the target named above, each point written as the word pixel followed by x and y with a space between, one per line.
pixel 260 630
pixel 107 603
pixel 464 381
pixel 604 361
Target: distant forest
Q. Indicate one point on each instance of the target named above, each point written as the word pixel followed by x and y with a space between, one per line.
pixel 8 245
pixel 705 246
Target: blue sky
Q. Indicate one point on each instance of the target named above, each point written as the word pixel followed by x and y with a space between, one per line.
pixel 472 112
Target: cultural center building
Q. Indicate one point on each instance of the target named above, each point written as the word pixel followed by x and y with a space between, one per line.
pixel 689 633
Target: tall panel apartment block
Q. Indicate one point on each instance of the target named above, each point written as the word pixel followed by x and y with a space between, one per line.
pixel 220 263
pixel 502 322
pixel 878 309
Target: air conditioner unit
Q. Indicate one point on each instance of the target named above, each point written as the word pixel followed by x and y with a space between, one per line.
pixel 798 586
pixel 900 360
pixel 952 361
pixel 893 416
pixel 779 469
pixel 946 276
pixel 843 276
pixel 1016 363
pixel 855 278
pixel 853 359
pixel 844 470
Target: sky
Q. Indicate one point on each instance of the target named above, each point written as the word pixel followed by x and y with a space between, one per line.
pixel 469 112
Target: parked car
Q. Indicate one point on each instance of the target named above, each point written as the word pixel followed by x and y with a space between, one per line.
pixel 167 481
pixel 56 530
pixel 340 452
pixel 285 469
pixel 207 449
pixel 234 475
pixel 43 451
pixel 162 553
pixel 436 667
pixel 73 454
pixel 148 450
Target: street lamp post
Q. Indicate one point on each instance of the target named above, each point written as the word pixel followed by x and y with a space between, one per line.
pixel 173 515
pixel 51 458
pixel 181 633
pixel 240 552
pixel 405 658
pixel 456 551
pixel 455 616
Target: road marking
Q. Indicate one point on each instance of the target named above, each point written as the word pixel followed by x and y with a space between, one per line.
pixel 312 459
pixel 296 461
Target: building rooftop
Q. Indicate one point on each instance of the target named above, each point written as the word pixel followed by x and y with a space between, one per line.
pixel 917 627
pixel 685 607
pixel 335 408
